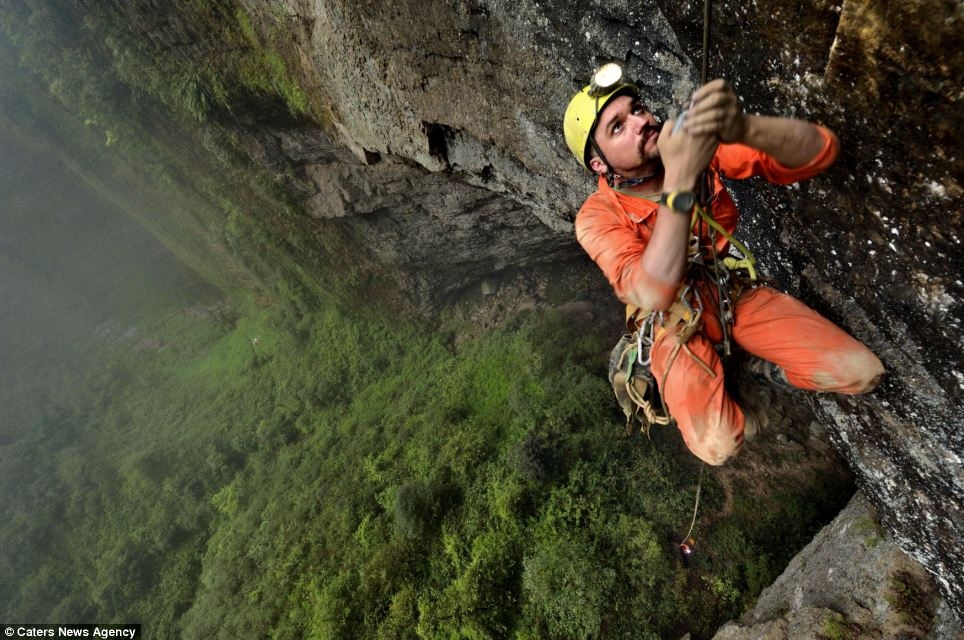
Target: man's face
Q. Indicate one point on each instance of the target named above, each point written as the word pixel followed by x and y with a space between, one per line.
pixel 626 133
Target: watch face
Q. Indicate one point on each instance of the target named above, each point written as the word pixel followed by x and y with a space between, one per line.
pixel 683 201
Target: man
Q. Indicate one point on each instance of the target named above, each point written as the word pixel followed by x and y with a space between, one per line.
pixel 638 226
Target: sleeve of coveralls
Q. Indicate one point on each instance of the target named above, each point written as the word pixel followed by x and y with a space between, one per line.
pixel 740 161
pixel 614 245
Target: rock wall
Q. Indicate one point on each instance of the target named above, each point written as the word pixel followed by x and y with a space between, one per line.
pixel 852 581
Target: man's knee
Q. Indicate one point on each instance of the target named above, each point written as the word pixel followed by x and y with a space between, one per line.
pixel 852 369
pixel 716 455
pixel 857 372
pixel 871 372
pixel 717 443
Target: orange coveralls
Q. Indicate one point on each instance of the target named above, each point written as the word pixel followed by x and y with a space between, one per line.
pixel 614 229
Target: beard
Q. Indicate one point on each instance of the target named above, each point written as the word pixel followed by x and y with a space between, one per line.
pixel 651 163
pixel 650 133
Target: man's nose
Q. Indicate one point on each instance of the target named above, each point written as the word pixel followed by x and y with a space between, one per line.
pixel 640 121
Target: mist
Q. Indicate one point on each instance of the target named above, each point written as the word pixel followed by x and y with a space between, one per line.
pixel 79 276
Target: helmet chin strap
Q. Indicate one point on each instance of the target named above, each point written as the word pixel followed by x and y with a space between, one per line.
pixel 611 174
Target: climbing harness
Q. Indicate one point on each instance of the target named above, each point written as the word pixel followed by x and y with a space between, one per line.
pixel 725 272
pixel 629 370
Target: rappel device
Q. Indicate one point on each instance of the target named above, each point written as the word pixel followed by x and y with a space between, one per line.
pixel 686 550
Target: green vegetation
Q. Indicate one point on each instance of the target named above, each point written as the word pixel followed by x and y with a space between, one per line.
pixel 261 68
pixel 324 476
pixel 870 530
pixel 291 464
pixel 231 61
pixel 138 101
pixel 837 627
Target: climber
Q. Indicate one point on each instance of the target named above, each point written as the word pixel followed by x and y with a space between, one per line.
pixel 641 227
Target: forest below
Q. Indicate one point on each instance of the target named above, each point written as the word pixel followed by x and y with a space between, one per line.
pixel 271 473
pixel 248 446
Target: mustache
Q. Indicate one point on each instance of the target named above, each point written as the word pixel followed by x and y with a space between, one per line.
pixel 648 130
pixel 656 127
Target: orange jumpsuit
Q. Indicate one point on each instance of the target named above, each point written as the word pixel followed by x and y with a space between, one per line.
pixel 614 229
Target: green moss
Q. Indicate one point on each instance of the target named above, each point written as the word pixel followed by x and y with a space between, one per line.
pixel 247 29
pixel 870 530
pixel 911 600
pixel 836 627
pixel 261 65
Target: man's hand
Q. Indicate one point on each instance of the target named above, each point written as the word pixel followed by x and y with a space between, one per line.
pixel 715 110
pixel 684 156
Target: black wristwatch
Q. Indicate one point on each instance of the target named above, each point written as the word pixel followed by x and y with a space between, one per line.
pixel 679 201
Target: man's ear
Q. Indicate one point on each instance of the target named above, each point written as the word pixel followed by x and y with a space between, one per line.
pixel 597 165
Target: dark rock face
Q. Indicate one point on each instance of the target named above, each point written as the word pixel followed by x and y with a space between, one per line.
pixel 456 109
pixel 854 579
pixel 434 140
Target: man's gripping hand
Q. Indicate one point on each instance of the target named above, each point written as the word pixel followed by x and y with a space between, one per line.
pixel 715 110
pixel 684 156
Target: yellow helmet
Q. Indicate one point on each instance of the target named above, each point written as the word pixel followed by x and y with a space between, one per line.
pixel 585 107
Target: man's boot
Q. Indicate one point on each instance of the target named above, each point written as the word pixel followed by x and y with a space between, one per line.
pixel 768 373
pixel 754 422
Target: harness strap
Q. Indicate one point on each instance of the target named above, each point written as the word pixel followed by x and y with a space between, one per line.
pixel 690 327
pixel 680 312
pixel 748 262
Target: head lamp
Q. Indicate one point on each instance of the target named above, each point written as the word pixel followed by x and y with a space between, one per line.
pixel 605 78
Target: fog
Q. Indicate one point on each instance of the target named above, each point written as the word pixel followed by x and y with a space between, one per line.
pixel 79 276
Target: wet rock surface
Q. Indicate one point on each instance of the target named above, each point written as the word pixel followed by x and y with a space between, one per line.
pixel 852 581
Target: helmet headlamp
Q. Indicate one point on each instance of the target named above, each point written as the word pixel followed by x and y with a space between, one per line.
pixel 605 78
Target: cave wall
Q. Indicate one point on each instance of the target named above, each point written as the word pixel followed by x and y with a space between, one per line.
pixel 851 581
pixel 430 131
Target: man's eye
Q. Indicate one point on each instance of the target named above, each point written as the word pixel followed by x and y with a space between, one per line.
pixel 637 108
pixel 617 127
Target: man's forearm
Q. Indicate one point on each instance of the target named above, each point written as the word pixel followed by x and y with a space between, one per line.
pixel 663 264
pixel 793 143
pixel 664 261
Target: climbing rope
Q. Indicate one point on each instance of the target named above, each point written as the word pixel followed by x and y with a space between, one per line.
pixel 699 485
pixel 703 213
pixel 704 70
